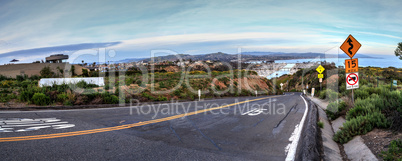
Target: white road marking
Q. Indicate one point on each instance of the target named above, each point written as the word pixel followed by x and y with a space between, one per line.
pixel 63 126
pixel 32 128
pixel 6 129
pixel 34 124
pixel 257 111
pixel 254 112
pixel 295 137
pixel 10 124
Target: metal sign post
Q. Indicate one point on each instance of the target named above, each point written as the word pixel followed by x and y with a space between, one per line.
pixel 320 69
pixel 320 80
pixel 350 47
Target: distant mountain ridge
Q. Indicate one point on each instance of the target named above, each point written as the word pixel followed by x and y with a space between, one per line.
pixel 245 56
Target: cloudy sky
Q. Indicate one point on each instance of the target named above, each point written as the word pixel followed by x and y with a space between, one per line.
pixel 31 30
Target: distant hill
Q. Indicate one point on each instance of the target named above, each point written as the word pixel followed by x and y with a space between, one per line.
pixel 307 55
pixel 129 60
pixel 246 56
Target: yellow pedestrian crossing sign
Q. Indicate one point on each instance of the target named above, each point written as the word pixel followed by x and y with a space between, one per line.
pixel 320 69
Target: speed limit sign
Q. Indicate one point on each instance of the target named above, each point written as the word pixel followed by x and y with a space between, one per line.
pixel 351 65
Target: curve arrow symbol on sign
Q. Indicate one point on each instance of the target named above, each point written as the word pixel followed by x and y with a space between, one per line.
pixel 351 46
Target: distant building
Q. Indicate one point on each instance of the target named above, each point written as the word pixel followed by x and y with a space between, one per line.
pixel 58 58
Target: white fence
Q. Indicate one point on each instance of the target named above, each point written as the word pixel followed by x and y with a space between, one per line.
pixel 59 81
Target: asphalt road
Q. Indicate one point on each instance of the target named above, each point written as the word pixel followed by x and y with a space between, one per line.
pixel 246 128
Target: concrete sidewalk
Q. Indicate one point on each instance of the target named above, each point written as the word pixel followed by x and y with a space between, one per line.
pixel 354 149
pixel 331 148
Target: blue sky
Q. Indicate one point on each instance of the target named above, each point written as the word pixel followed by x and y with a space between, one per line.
pixel 31 30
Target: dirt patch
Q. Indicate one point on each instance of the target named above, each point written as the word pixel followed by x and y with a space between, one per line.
pixel 12 104
pixel 379 139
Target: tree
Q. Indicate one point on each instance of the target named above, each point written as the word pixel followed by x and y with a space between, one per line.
pixel 85 73
pixel 72 70
pixel 398 51
pixel 46 72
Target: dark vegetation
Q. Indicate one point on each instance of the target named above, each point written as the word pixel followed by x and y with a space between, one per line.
pixel 377 104
pixel 121 87
pixel 394 151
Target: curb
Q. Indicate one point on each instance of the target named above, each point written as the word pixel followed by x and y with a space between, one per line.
pixel 354 149
pixel 310 145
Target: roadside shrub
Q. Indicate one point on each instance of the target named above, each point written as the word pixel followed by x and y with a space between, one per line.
pixel 40 99
pixel 177 92
pixel 361 93
pixel 148 96
pixel 320 124
pixel 7 97
pixel 68 103
pixel 110 99
pixel 21 78
pixel 334 108
pixel 6 83
pixel 62 97
pixel 162 98
pixel 360 126
pixel 46 72
pixel 2 77
pixel 26 94
pixel 83 84
pixel 394 151
pixel 34 77
pixel 329 94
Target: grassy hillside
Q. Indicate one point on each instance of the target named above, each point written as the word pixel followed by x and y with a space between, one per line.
pixel 133 85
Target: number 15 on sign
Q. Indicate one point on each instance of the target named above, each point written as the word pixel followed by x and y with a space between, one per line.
pixel 351 65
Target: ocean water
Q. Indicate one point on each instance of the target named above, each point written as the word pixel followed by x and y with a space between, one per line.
pixel 377 61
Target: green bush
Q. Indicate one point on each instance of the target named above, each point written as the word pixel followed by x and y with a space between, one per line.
pixel 62 97
pixel 334 108
pixel 21 78
pixel 107 87
pixel 177 92
pixel 47 72
pixel 320 124
pixel 26 94
pixel 2 77
pixel 394 151
pixel 83 84
pixel 35 77
pixel 360 125
pixel 110 99
pixel 329 94
pixel 40 99
pixel 148 96
pixel 7 97
pixel 361 93
pixel 162 98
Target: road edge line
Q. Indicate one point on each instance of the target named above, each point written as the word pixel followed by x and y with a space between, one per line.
pixel 293 147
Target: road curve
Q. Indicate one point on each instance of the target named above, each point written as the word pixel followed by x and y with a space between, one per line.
pixel 245 128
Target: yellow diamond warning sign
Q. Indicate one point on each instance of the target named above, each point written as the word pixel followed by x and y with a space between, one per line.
pixel 350 46
pixel 320 69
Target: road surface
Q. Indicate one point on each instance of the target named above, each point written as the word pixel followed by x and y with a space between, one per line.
pixel 245 128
